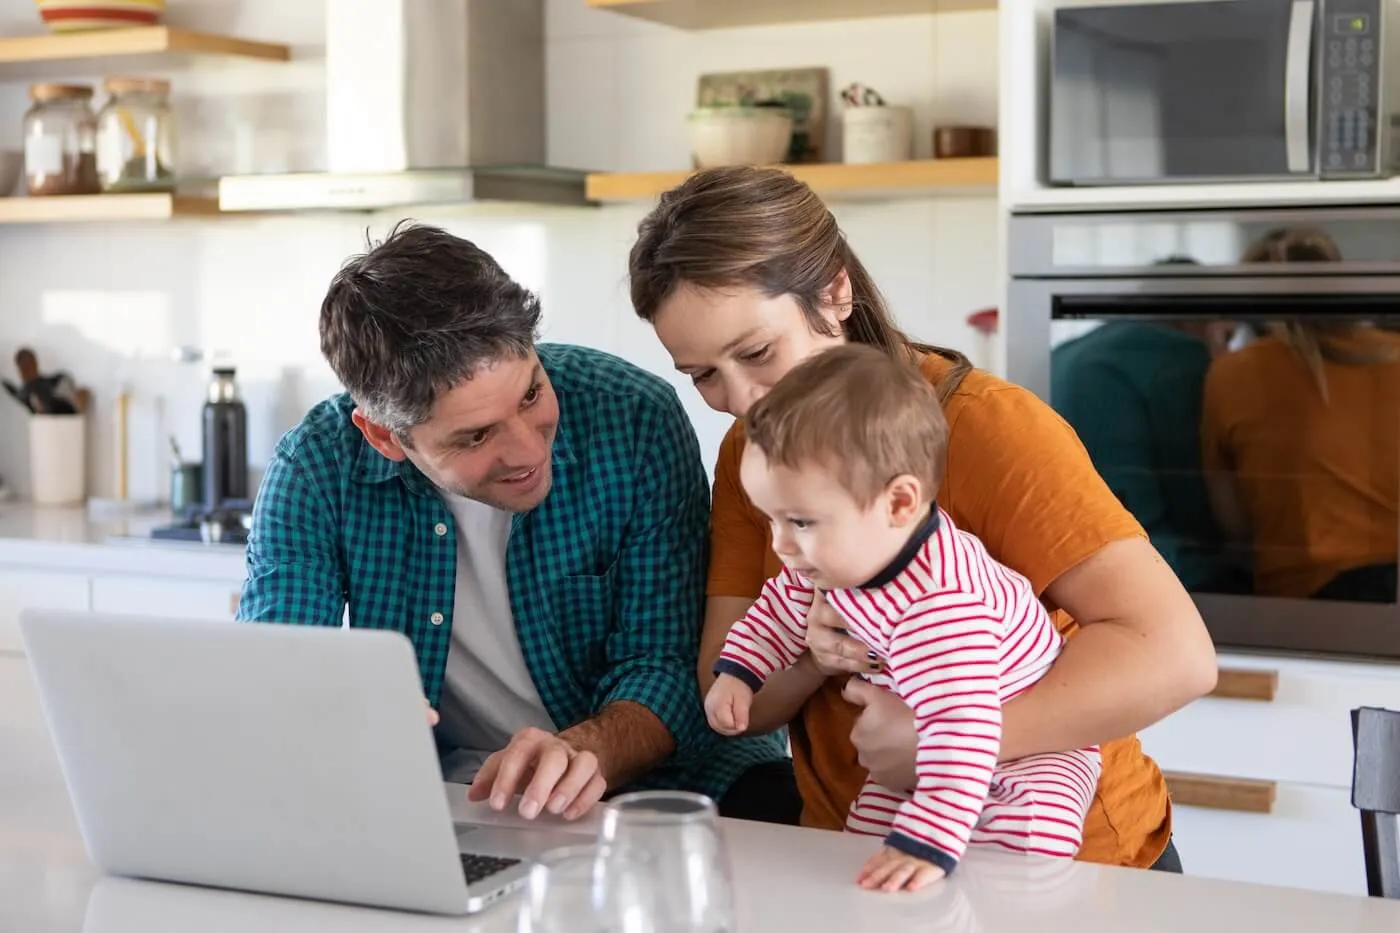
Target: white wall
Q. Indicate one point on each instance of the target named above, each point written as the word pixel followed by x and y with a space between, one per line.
pixel 110 303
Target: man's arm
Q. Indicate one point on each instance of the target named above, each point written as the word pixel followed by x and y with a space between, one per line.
pixel 294 574
pixel 653 646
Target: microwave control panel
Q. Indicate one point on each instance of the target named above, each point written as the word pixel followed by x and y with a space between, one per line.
pixel 1351 49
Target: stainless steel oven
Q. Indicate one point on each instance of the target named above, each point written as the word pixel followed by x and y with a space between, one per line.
pixel 1223 90
pixel 1235 376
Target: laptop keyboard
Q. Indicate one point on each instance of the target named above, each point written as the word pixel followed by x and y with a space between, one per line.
pixel 480 867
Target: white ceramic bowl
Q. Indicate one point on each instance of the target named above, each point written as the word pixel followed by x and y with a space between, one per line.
pixel 11 167
pixel 739 135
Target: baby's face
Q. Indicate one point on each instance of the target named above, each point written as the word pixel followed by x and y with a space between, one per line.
pixel 819 530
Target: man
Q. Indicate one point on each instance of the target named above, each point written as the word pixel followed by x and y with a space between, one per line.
pixel 533 518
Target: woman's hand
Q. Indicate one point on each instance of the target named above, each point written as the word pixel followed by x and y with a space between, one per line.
pixel 831 647
pixel 884 736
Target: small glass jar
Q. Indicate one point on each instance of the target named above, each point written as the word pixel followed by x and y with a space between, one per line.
pixel 136 136
pixel 59 141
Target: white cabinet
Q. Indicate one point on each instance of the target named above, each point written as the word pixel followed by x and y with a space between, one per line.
pixel 36 589
pixel 1294 740
pixel 1311 839
pixel 216 601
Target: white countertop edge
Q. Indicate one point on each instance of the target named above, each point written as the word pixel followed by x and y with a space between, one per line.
pixel 131 556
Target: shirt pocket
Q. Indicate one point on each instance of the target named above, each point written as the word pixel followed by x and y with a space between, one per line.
pixel 585 613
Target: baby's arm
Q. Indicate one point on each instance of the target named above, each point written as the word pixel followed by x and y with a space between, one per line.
pixel 943 662
pixel 772 635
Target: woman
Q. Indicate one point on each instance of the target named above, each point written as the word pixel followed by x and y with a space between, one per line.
pixel 1300 443
pixel 743 273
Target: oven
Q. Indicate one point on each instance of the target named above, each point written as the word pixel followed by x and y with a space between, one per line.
pixel 1235 377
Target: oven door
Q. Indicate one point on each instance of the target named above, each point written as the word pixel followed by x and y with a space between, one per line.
pixel 1199 91
pixel 1247 413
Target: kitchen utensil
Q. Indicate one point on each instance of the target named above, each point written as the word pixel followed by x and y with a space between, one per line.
pixel 27 362
pixel 120 426
pixel 964 142
pixel 79 15
pixel 17 393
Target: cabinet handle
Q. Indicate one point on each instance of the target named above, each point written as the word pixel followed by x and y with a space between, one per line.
pixel 1234 683
pixel 1221 793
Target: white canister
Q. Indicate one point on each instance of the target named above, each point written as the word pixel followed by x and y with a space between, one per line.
pixel 58 459
pixel 877 134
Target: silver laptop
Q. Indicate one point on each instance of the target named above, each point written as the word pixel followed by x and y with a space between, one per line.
pixel 272 758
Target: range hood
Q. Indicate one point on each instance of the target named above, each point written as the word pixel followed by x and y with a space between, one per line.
pixel 427 102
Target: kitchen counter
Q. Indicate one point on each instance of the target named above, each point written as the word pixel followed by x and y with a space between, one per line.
pixel 785 879
pixel 74 539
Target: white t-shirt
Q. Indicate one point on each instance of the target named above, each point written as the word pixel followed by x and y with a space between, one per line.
pixel 488 694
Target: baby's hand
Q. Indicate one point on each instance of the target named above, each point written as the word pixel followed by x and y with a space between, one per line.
pixel 892 870
pixel 727 705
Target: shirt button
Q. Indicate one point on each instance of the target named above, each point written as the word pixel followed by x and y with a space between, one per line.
pixel 440 528
pixel 435 618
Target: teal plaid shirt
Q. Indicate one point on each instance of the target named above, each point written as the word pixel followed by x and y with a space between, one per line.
pixel 606 576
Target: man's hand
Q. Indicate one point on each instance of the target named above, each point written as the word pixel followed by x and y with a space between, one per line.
pixel 884 736
pixel 830 646
pixel 555 776
pixel 892 870
pixel 727 705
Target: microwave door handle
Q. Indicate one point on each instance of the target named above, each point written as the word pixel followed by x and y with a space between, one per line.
pixel 1297 78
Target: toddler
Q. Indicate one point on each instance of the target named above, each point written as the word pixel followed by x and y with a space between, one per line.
pixel 844 455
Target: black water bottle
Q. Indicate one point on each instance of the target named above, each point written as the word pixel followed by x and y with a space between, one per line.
pixel 225 442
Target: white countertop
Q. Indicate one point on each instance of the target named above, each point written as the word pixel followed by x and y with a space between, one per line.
pixel 785 878
pixel 59 538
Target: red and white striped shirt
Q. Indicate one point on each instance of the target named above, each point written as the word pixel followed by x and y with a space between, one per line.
pixel 960 634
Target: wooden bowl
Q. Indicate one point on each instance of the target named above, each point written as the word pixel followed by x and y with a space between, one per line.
pixel 80 15
pixel 964 142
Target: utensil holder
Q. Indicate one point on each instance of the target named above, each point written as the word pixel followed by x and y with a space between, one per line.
pixel 877 134
pixel 58 459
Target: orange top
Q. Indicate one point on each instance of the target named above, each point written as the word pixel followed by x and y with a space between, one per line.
pixel 1018 478
pixel 1318 479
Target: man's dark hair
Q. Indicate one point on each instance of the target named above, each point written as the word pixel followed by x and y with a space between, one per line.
pixel 415 316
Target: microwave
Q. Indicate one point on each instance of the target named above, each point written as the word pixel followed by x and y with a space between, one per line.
pixel 1223 91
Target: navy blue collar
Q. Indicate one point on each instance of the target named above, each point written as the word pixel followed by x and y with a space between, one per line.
pixel 907 553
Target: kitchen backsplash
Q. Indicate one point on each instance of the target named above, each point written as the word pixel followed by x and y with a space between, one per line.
pixel 110 304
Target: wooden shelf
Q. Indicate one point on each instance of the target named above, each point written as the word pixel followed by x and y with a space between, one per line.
pixel 719 14
pixel 877 181
pixel 140 40
pixel 104 207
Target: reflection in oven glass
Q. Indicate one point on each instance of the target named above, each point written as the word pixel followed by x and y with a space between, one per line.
pixel 1261 452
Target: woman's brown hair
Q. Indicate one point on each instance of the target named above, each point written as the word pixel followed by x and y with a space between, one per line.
pixel 764 229
pixel 1315 342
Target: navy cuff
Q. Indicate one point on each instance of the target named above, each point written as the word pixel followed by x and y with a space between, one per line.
pixel 735 669
pixel 909 846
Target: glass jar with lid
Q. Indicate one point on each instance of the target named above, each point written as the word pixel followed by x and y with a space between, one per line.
pixel 60 141
pixel 136 136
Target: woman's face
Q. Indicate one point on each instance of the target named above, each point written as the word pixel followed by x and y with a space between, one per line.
pixel 736 343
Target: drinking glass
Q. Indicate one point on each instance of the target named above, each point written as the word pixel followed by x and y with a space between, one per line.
pixel 589 889
pixel 679 834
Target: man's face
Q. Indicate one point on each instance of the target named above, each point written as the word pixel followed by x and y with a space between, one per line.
pixel 489 438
